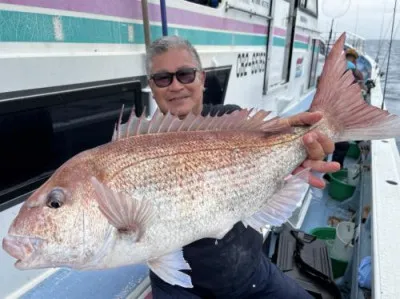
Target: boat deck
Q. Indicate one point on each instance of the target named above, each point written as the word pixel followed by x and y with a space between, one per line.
pixel 323 207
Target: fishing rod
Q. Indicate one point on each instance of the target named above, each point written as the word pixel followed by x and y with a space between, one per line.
pixel 380 35
pixel 381 63
pixel 334 12
pixel 390 51
pixel 387 51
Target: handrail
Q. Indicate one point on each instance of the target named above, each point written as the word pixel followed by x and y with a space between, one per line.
pixel 252 13
pixel 354 40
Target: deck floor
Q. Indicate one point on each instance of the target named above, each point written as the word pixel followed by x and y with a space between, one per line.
pixel 322 206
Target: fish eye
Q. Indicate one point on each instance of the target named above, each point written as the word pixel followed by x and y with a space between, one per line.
pixel 55 199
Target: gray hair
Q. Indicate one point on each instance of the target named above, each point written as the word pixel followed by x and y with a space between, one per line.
pixel 165 43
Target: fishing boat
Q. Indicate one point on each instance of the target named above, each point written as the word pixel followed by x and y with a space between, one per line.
pixel 67 67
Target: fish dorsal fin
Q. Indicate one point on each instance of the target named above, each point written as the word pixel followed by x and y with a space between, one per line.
pixel 239 120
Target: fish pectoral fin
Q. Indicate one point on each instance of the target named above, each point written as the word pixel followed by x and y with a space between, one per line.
pixel 282 204
pixel 167 268
pixel 127 214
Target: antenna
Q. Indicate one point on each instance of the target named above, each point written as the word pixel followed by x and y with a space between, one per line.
pixel 334 9
pixel 356 26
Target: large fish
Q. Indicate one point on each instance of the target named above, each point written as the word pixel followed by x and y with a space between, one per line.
pixel 163 183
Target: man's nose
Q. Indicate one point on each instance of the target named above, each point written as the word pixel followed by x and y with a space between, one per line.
pixel 175 84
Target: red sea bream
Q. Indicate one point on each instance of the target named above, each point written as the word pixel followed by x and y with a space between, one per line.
pixel 163 183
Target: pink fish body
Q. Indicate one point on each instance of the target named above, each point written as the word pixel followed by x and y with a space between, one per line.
pixel 164 183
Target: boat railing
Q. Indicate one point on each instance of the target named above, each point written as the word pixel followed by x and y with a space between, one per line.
pixel 352 40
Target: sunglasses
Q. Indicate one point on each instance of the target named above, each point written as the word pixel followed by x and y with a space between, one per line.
pixel 184 76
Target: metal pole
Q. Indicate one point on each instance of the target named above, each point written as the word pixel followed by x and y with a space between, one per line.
pixel 390 50
pixel 164 18
pixel 146 24
pixel 356 27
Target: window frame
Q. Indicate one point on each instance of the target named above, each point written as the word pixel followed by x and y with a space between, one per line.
pixel 22 101
pixel 209 72
pixel 304 8
pixel 312 80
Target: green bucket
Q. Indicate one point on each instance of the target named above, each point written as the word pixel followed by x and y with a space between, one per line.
pixel 353 151
pixel 328 234
pixel 339 189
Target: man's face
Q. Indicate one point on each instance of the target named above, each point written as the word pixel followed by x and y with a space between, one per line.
pixel 177 97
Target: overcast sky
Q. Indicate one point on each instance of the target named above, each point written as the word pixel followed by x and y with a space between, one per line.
pixel 370 15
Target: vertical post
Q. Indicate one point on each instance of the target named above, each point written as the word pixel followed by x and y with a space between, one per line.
pixel 268 46
pixel 290 33
pixel 329 39
pixel 390 51
pixel 146 24
pixel 164 18
pixel 147 40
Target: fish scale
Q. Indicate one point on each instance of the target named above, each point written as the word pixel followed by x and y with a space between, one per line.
pixel 217 185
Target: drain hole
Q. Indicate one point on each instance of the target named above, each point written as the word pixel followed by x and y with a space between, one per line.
pixel 391 182
pixel 385 141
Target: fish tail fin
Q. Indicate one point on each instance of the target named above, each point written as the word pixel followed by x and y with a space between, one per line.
pixel 340 100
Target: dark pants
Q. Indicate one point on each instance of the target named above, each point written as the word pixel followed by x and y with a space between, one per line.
pixel 267 282
pixel 340 152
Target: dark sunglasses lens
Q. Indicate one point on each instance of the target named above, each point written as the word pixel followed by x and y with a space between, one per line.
pixel 162 79
pixel 186 76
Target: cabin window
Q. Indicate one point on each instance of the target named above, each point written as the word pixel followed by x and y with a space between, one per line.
pixel 322 48
pixel 280 44
pixel 210 3
pixel 40 133
pixel 309 6
pixel 216 84
pixel 290 30
pixel 314 63
pixel 312 6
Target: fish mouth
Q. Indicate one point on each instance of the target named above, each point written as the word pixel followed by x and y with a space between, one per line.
pixel 23 248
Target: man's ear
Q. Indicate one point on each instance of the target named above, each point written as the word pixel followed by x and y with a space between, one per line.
pixel 202 77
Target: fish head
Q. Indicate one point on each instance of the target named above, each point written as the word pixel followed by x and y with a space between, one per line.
pixel 60 224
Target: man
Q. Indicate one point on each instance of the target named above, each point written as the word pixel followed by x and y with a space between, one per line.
pixel 341 148
pixel 235 267
pixel 351 57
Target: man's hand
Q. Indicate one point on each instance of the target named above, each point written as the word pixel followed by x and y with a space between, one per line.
pixel 318 146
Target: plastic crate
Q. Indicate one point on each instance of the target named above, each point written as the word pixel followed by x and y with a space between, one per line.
pixel 328 234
